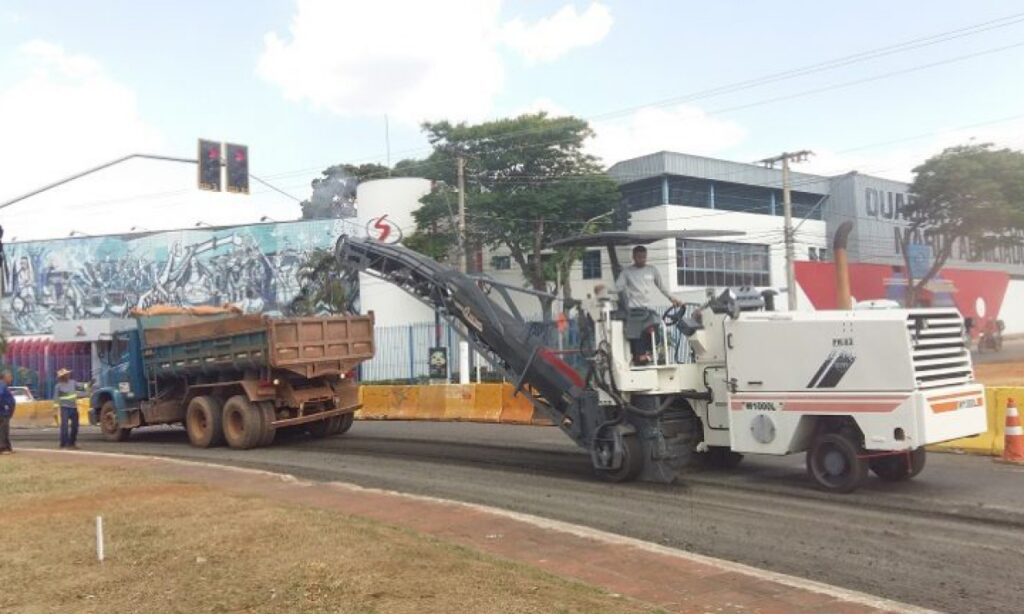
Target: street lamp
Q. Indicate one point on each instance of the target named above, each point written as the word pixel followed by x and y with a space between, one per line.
pixel 201 223
pixel 77 233
pixel 139 229
pixel 267 218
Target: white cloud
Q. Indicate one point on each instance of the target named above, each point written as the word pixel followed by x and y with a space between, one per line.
pixel 412 60
pixel 682 128
pixel 552 37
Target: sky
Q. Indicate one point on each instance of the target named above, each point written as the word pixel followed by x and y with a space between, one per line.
pixel 870 86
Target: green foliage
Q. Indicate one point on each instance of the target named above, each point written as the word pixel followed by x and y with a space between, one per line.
pixel 326 287
pixel 967 195
pixel 334 192
pixel 528 182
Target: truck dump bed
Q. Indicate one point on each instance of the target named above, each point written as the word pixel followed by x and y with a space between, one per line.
pixel 309 347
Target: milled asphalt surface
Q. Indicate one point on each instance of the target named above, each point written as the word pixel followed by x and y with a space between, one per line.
pixel 951 540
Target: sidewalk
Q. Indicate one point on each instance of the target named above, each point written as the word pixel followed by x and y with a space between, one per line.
pixel 672 579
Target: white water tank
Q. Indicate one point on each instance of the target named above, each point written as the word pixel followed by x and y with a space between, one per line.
pixel 385 206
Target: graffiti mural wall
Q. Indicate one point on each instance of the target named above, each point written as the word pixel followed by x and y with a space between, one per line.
pixel 255 267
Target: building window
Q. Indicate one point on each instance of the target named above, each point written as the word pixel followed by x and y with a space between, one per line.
pixel 501 263
pixel 711 263
pixel 592 264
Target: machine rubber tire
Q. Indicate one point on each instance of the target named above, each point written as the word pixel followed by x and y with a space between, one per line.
pixel 267 417
pixel 319 429
pixel 835 464
pixel 721 457
pixel 108 423
pixel 243 424
pixel 203 420
pixel 346 423
pixel 632 462
pixel 896 468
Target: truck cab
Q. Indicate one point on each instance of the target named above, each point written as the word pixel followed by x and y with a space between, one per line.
pixel 121 382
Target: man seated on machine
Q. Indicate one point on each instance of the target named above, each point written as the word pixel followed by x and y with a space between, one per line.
pixel 635 287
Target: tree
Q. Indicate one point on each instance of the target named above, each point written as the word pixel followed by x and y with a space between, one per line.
pixel 969 197
pixel 325 287
pixel 334 192
pixel 528 182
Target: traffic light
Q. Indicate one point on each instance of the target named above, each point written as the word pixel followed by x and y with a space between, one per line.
pixel 209 165
pixel 238 168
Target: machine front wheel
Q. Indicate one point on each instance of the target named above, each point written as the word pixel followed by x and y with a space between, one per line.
pixel 632 461
pixel 835 464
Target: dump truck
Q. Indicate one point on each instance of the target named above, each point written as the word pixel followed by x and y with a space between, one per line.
pixel 231 378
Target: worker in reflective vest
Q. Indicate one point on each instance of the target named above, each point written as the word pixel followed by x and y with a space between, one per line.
pixel 65 394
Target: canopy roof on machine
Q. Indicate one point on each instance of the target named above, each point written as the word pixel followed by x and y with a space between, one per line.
pixel 616 238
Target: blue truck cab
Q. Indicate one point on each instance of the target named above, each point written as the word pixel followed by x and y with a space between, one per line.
pixel 121 385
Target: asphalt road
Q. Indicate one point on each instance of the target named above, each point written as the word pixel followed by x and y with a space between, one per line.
pixel 952 540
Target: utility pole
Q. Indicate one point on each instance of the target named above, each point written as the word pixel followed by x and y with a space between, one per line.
pixel 463 344
pixel 787 205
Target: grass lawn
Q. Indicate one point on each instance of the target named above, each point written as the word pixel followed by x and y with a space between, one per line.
pixel 173 546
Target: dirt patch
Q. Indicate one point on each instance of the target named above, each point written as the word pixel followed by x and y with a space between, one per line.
pixel 1000 373
pixel 176 547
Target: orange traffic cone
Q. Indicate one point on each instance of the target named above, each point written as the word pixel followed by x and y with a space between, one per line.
pixel 1013 450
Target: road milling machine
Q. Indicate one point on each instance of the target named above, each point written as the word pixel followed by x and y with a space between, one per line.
pixel 856 390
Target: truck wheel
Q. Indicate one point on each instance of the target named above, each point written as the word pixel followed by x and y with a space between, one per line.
pixel 243 423
pixel 835 464
pixel 898 467
pixel 721 457
pixel 267 416
pixel 108 423
pixel 203 422
pixel 320 428
pixel 632 462
pixel 346 423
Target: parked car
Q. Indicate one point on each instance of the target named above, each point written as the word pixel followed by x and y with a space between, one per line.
pixel 22 394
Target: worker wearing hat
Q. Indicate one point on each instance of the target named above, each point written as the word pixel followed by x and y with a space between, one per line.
pixel 65 395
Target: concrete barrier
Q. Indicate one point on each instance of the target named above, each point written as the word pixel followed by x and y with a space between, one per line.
pixel 493 403
pixel 44 413
pixel 991 442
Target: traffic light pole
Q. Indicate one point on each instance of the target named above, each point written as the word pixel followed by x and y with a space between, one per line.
pixel 93 170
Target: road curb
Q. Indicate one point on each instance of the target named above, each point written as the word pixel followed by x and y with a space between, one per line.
pixel 577 535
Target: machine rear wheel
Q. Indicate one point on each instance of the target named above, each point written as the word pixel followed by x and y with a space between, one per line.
pixel 835 464
pixel 632 462
pixel 203 422
pixel 899 467
pixel 108 423
pixel 243 424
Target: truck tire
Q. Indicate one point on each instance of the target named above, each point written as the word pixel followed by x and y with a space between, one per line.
pixel 345 423
pixel 267 416
pixel 243 423
pixel 835 464
pixel 108 423
pixel 319 429
pixel 896 468
pixel 203 422
pixel 333 425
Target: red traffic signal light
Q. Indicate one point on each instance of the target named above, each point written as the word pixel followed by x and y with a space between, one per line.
pixel 209 165
pixel 237 161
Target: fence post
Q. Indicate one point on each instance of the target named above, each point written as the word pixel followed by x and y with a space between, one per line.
pixel 412 351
